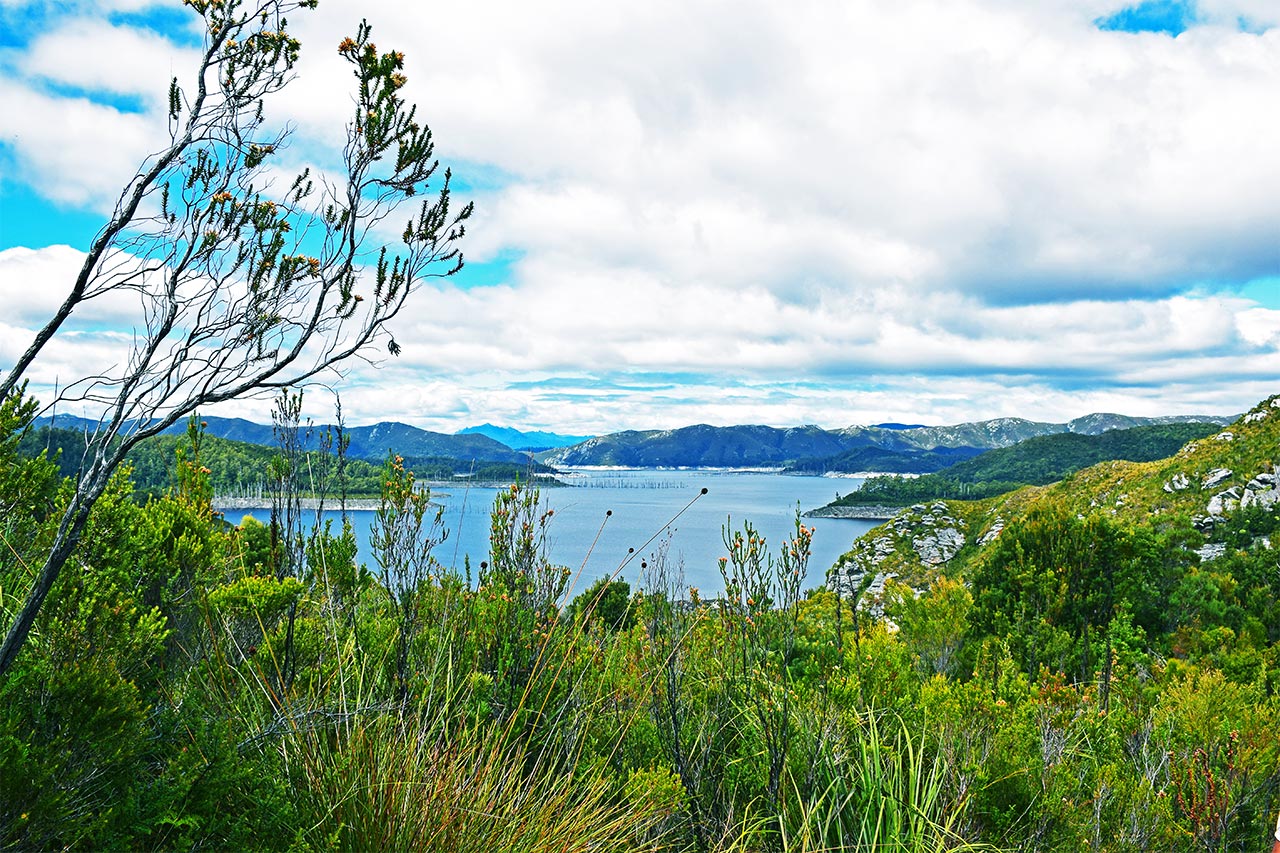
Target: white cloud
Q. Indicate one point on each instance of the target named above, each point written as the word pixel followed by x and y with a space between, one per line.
pixel 73 150
pixel 844 195
pixel 98 57
pixel 639 353
pixel 1259 326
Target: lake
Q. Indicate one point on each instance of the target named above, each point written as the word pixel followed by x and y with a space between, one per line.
pixel 646 505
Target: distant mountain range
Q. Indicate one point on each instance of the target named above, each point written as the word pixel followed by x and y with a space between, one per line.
pixel 810 449
pixel 1037 461
pixel 806 449
pixel 518 440
pixel 700 446
pixel 368 442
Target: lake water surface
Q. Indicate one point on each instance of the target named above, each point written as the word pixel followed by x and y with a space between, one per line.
pixel 646 505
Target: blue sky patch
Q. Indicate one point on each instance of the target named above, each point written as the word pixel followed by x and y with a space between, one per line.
pixel 1171 17
pixel 30 220
pixel 20 24
pixel 176 23
pixel 130 104
pixel 470 177
pixel 1264 291
pixel 497 271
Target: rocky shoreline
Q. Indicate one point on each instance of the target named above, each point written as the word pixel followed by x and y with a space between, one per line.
pixel 222 504
pixel 862 513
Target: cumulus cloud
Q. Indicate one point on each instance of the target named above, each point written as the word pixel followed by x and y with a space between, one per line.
pixel 139 62
pixel 838 210
pixel 1010 153
pixel 543 357
pixel 71 149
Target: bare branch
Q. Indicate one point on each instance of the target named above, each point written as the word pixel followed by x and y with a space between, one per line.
pixel 239 288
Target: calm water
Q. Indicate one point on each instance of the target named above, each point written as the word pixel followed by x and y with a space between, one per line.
pixel 646 506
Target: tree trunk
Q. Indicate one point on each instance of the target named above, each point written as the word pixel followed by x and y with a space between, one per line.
pixel 64 545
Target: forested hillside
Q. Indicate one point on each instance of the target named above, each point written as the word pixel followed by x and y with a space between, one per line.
pixel 1087 665
pixel 364 442
pixel 881 460
pixel 809 449
pixel 1035 461
pixel 240 469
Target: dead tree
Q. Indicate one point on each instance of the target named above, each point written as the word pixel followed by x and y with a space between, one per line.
pixel 243 285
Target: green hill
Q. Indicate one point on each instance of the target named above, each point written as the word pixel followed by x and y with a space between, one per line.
pixel 1034 461
pixel 1048 458
pixel 239 468
pixel 885 460
pixel 1215 499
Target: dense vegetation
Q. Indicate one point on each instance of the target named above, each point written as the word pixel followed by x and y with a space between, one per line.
pixel 1082 680
pixel 809 449
pixel 885 460
pixel 242 469
pixel 1035 461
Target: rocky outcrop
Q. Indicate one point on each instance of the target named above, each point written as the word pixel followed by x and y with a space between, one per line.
pixel 925 533
pixel 996 528
pixel 858 576
pixel 1215 477
pixel 1212 551
pixel 1224 502
pixel 939 546
pixel 1262 490
pixel 864 513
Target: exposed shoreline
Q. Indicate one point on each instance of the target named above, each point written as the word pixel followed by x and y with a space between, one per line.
pixel 861 513
pixel 223 504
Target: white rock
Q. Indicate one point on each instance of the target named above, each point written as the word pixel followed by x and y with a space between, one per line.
pixel 1214 477
pixel 1223 502
pixel 1224 436
pixel 1254 417
pixel 1177 483
pixel 1265 498
pixel 1211 551
pixel 939 546
pixel 992 532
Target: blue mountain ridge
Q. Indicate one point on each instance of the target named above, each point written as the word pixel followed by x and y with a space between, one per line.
pixel 521 440
pixel 367 442
pixel 901 447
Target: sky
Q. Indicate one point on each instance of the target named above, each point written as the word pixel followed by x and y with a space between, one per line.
pixel 824 211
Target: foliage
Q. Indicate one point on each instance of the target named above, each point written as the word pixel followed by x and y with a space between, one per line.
pixel 606 603
pixel 1080 681
pixel 240 286
pixel 1035 461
